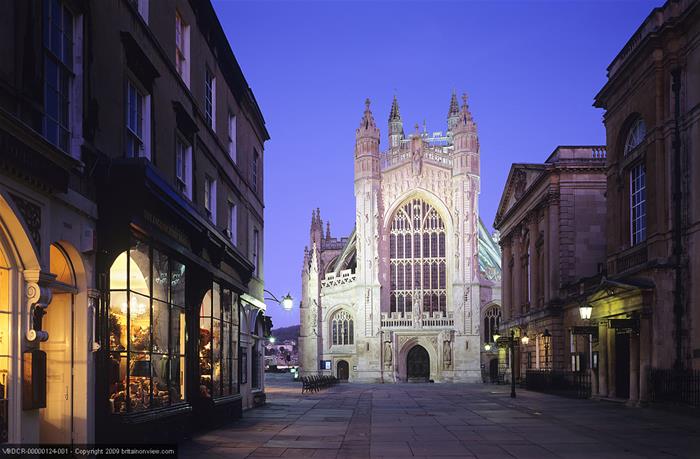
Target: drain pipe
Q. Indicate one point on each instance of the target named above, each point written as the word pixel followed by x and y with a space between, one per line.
pixel 677 221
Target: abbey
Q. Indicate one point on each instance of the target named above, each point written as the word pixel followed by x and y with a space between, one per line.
pixel 403 297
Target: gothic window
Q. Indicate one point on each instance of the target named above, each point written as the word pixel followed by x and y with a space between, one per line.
pixel 492 321
pixel 418 268
pixel 635 135
pixel 342 329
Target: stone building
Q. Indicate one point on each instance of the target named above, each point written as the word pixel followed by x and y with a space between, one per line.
pixel 131 218
pixel 401 297
pixel 648 310
pixel 552 223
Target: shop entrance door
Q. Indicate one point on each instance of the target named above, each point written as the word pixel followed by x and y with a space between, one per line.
pixel 343 370
pixel 622 365
pixel 56 423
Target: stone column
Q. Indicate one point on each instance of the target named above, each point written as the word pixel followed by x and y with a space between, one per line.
pixel 547 256
pixel 602 359
pixel 611 363
pixel 644 357
pixel 506 296
pixel 553 249
pixel 634 369
pixel 534 262
pixel 516 285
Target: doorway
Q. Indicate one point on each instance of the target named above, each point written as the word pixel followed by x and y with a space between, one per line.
pixel 418 364
pixel 622 365
pixel 343 370
pixel 56 425
pixel 493 370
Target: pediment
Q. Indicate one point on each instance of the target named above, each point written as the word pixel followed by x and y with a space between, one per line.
pixel 520 179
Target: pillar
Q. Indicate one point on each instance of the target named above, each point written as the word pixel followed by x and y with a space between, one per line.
pixel 634 368
pixel 611 363
pixel 602 359
pixel 506 280
pixel 534 263
pixel 644 357
pixel 517 283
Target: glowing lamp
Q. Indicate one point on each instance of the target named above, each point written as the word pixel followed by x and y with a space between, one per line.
pixel 487 347
pixel 272 340
pixel 287 302
pixel 496 336
pixel 585 310
pixel 525 339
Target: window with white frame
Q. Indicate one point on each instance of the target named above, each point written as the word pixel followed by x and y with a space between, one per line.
pixel 254 170
pixel 638 204
pixel 233 223
pixel 210 98
pixel 342 329
pixel 182 48
pixel 58 72
pixel 183 166
pixel 635 136
pixel 232 137
pixel 137 122
pixel 210 197
pixel 255 252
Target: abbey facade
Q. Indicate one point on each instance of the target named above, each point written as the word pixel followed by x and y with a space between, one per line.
pixel 406 295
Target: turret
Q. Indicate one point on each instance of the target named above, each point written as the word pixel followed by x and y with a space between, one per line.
pixel 452 114
pixel 316 231
pixel 466 142
pixel 367 147
pixel 395 125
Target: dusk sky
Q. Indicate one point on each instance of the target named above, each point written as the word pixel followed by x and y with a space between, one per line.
pixel 531 70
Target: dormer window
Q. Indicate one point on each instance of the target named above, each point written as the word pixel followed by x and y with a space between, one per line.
pixel 635 136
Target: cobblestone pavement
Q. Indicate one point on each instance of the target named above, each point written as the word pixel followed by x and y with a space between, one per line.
pixel 436 420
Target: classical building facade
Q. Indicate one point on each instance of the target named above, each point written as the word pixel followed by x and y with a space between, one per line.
pixel 648 310
pixel 401 298
pixel 131 222
pixel 553 224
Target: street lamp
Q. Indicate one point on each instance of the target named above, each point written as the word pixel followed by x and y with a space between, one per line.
pixel 487 347
pixel 547 339
pixel 495 337
pixel 287 302
pixel 525 339
pixel 510 342
pixel 585 310
pixel 272 340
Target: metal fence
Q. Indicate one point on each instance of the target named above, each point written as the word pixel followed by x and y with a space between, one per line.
pixel 675 386
pixel 564 383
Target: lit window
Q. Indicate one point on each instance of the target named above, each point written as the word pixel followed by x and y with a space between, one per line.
pixel 146 326
pixel 233 223
pixel 210 197
pixel 137 122
pixel 183 167
pixel 638 204
pixel 635 136
pixel 342 329
pixel 218 346
pixel 58 72
pixel 210 98
pixel 418 268
pixel 182 48
pixel 232 137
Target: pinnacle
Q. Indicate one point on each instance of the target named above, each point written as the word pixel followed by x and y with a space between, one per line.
pixel 454 105
pixel 394 114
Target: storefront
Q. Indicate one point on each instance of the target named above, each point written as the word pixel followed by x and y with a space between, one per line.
pixel 169 315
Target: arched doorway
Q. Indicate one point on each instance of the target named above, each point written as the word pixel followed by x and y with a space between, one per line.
pixel 418 364
pixel 343 370
pixel 493 370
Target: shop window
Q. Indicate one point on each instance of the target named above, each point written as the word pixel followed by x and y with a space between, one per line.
pixel 218 342
pixel 146 330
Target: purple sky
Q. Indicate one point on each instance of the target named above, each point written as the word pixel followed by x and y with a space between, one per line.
pixel 531 70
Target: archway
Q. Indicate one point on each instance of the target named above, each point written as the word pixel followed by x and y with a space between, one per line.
pixel 343 370
pixel 418 364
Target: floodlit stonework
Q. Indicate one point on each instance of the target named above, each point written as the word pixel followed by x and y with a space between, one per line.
pixel 402 297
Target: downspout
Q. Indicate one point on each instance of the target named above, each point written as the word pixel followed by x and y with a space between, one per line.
pixel 677 223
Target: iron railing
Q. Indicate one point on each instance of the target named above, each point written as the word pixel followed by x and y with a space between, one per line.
pixel 675 386
pixel 564 383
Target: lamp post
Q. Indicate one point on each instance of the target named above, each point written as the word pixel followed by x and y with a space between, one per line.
pixel 547 339
pixel 287 302
pixel 510 343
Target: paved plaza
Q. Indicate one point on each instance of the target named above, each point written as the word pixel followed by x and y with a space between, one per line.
pixel 436 420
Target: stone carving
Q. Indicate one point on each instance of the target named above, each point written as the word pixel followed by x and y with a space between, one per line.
pixel 447 354
pixel 519 182
pixel 387 354
pixel 31 213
